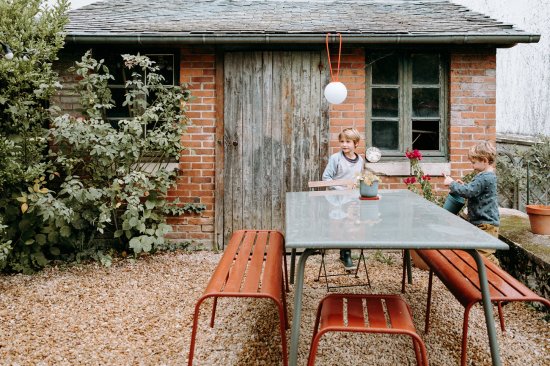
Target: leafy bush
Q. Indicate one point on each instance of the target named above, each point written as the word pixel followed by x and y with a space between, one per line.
pixel 72 188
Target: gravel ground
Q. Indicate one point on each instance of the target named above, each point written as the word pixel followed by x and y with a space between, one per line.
pixel 140 313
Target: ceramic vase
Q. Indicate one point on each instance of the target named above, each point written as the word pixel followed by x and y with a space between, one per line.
pixel 368 191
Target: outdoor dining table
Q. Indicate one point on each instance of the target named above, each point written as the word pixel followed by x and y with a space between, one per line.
pixel 399 219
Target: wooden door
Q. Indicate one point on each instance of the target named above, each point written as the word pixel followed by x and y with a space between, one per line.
pixel 275 135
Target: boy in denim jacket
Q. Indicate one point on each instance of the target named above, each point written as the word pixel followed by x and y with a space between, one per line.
pixel 481 192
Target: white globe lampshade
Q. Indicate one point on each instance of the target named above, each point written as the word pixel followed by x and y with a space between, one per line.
pixel 336 92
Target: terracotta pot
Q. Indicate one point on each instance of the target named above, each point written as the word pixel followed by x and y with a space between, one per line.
pixel 539 217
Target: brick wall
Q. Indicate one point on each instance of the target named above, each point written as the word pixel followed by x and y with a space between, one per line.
pixel 472 99
pixel 67 98
pixel 195 181
pixel 351 113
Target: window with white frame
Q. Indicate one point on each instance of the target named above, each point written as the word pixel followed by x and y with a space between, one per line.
pixel 406 101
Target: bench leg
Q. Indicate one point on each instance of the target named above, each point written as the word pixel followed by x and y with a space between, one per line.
pixel 213 312
pixel 313 349
pixel 464 353
pixel 429 302
pixel 283 293
pixel 501 316
pixel 287 288
pixel 283 324
pixel 420 352
pixel 194 332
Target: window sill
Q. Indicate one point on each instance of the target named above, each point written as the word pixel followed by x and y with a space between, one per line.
pixel 402 168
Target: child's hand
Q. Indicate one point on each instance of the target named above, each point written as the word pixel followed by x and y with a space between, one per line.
pixel 459 181
pixel 448 180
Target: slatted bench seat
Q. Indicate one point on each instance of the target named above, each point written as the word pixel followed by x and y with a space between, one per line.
pixel 386 314
pixel 251 266
pixel 458 272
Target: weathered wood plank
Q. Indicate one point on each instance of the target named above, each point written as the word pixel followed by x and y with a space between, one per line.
pixel 237 142
pixel 246 141
pixel 255 144
pixel 220 156
pixel 296 152
pixel 277 163
pixel 314 117
pixel 231 106
pixel 324 134
pixel 267 141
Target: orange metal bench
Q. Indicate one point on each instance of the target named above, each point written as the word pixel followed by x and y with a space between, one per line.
pixel 332 311
pixel 251 266
pixel 458 272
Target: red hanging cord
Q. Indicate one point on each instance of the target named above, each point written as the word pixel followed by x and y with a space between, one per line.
pixel 339 54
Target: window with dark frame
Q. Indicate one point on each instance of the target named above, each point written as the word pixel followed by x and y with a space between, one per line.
pixel 168 68
pixel 407 103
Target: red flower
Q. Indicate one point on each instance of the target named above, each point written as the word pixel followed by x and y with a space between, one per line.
pixel 409 180
pixel 415 154
pixel 426 177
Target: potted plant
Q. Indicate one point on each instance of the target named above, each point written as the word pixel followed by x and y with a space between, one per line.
pixel 539 218
pixel 368 184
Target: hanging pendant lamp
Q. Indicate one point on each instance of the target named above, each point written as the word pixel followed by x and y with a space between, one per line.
pixel 335 92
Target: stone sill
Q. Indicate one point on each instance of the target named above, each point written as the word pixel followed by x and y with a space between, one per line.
pixel 403 168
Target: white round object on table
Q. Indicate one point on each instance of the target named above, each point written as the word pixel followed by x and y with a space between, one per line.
pixel 373 154
pixel 336 92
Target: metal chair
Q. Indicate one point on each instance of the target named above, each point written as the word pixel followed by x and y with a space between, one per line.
pixel 346 313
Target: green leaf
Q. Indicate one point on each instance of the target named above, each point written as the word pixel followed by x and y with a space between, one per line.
pixel 65 231
pixel 55 251
pixel 41 239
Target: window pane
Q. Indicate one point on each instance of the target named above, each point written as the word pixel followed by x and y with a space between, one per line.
pixel 118 111
pixel 165 63
pixel 385 134
pixel 425 69
pixel 115 64
pixel 385 102
pixel 425 135
pixel 385 70
pixel 425 102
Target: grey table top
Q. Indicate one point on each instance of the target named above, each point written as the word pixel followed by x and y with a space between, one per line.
pixel 400 219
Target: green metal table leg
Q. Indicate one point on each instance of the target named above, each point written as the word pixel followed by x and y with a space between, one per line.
pixel 297 314
pixel 409 266
pixel 292 265
pixel 487 308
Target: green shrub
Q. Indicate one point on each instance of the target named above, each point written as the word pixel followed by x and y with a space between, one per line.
pixel 74 188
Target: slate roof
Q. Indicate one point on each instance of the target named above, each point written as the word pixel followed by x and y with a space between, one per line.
pixel 219 20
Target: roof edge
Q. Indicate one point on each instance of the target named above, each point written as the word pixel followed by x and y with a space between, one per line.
pixel 502 40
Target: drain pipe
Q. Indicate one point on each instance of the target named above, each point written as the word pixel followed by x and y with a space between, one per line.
pixel 499 40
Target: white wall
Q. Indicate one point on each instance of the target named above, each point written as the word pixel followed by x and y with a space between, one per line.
pixel 75 3
pixel 523 71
